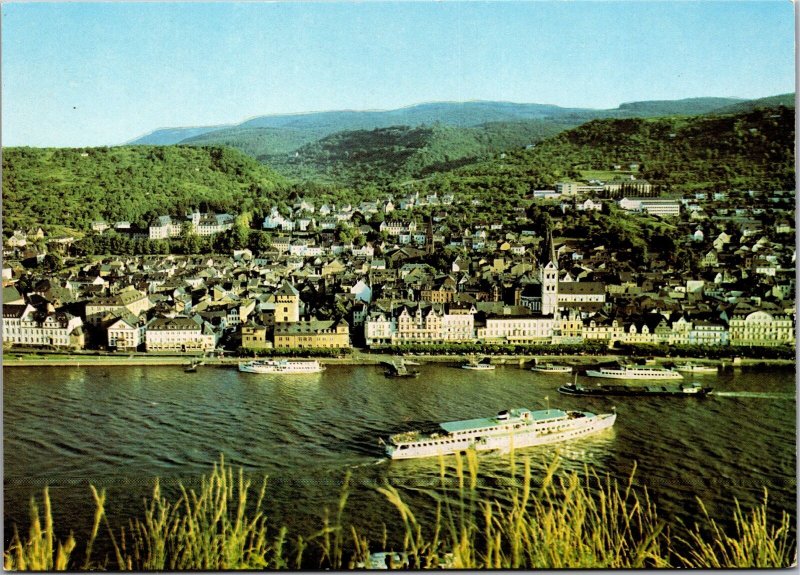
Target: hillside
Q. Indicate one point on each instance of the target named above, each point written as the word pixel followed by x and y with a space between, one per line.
pixel 786 100
pixel 382 155
pixel 258 142
pixel 685 107
pixel 73 187
pixel 747 150
pixel 314 125
pixel 170 136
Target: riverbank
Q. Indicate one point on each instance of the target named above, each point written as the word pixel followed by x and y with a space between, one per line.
pixel 355 358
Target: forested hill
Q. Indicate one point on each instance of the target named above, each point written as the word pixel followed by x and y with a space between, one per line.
pixel 73 187
pixel 465 114
pixel 384 155
pixel 748 150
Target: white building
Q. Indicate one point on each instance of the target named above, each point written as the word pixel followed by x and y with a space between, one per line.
pixel 126 333
pixel 23 325
pixel 179 334
pixel 522 329
pixel 652 206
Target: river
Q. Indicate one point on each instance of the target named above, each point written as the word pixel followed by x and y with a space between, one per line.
pixel 120 427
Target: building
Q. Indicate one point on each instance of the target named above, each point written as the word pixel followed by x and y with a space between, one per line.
pixel 379 328
pixel 327 334
pixel 24 325
pixel 514 327
pixel 287 304
pixel 182 334
pixel 164 227
pixel 652 206
pixel 255 336
pixel 760 328
pixel 583 296
pixel 126 333
pixel 128 300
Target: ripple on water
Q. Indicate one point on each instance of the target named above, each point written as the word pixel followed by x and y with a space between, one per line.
pixel 138 423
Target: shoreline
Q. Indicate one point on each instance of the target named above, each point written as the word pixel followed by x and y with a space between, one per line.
pixel 358 358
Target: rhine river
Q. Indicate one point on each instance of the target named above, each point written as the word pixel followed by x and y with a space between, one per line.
pixel 120 427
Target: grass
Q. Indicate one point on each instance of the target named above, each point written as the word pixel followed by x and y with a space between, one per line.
pixel 573 520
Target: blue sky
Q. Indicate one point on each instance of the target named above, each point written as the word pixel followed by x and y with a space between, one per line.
pixel 82 74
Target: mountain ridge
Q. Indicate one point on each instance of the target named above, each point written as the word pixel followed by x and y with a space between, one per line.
pixel 340 120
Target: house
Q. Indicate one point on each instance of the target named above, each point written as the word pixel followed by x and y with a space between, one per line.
pixel 129 299
pixel 126 332
pixel 313 333
pixel 24 325
pixel 184 334
pixel 760 328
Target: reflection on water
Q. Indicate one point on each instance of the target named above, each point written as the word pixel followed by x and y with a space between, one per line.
pixel 120 427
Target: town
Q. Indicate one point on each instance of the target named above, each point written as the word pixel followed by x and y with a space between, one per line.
pixel 407 271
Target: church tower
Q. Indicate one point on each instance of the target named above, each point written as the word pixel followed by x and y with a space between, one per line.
pixel 548 275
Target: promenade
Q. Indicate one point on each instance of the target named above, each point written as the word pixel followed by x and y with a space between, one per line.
pixel 355 358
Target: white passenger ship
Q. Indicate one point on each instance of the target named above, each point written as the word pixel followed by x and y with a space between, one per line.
pixel 551 368
pixel 634 372
pixel 511 429
pixel 696 368
pixel 281 366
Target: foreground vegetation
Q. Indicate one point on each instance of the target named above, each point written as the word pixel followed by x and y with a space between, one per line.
pixel 574 520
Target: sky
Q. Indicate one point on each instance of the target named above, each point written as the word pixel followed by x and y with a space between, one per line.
pixel 86 74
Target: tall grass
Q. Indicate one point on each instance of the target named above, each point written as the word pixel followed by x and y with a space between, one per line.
pixel 572 520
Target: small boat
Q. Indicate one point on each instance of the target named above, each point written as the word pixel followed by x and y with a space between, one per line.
pixel 284 366
pixel 634 372
pixel 406 374
pixel 551 368
pixel 696 368
pixel 397 368
pixel 694 389
pixel 192 367
pixel 509 429
pixel 478 366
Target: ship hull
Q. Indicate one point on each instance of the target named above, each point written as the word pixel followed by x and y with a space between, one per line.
pixel 636 391
pixel 634 374
pixel 277 368
pixel 507 441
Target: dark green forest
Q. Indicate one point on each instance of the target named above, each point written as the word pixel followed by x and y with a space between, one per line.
pixel 679 154
pixel 73 187
pixel 385 155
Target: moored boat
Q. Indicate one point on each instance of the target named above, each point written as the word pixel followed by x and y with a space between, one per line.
pixel 696 368
pixel 287 366
pixel 634 372
pixel 551 368
pixel 478 366
pixel 510 429
pixel 680 390
pixel 398 368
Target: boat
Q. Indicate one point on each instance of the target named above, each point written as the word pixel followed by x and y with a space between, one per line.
pixel 509 429
pixel 551 368
pixel 475 365
pixel 694 389
pixel 478 366
pixel 192 367
pixel 397 368
pixel 288 366
pixel 634 372
pixel 695 368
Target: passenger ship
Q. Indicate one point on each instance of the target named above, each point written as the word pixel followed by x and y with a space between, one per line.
pixel 510 429
pixel 696 368
pixel 634 372
pixel 281 366
pixel 551 368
